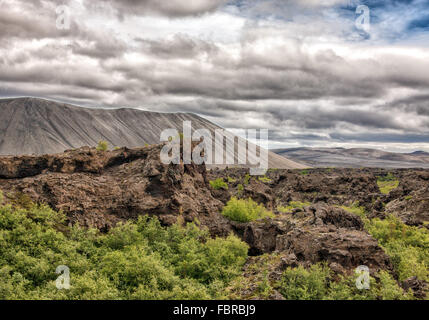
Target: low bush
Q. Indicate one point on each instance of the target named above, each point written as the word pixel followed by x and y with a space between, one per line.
pixel 219 184
pixel 407 246
pixel 231 180
pixel 245 210
pixel 317 283
pixel 136 260
pixel 103 146
pixel 304 172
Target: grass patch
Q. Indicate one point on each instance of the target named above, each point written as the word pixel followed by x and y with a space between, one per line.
pixel 245 210
pixel 356 209
pixel 293 205
pixel 387 186
pixel 387 183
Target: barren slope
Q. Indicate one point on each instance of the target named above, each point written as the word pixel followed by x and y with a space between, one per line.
pixel 37 126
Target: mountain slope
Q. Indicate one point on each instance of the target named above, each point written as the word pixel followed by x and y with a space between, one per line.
pixel 355 158
pixel 37 126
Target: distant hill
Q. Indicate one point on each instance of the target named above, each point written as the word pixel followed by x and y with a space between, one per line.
pixel 38 126
pixel 355 158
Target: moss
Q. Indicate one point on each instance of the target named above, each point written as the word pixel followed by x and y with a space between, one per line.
pixel 265 179
pixel 387 183
pixel 293 205
pixel 387 186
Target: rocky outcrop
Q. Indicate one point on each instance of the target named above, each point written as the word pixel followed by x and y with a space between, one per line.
pixel 317 233
pixel 410 201
pixel 99 189
pixel 418 287
pixel 338 187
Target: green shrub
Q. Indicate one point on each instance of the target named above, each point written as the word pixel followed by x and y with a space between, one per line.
pixel 136 260
pixel 317 283
pixel 302 284
pixel 407 246
pixel 219 184
pixel 304 172
pixel 231 180
pixel 386 288
pixel 245 210
pixel 102 146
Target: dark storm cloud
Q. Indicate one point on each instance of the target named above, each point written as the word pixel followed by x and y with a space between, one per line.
pixel 382 137
pixel 170 8
pixel 180 46
pixel 417 104
pixel 294 116
pixel 320 118
pixel 266 75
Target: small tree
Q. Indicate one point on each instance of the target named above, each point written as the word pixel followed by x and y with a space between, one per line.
pixel 102 145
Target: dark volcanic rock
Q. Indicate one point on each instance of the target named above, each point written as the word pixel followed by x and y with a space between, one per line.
pixel 418 287
pixel 410 201
pixel 99 189
pixel 318 233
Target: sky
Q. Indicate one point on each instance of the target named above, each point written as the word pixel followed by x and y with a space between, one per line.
pixel 304 69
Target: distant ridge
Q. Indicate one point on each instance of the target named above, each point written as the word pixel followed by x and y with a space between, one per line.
pixel 356 158
pixel 39 126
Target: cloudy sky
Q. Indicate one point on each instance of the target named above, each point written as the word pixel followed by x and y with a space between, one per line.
pixel 301 68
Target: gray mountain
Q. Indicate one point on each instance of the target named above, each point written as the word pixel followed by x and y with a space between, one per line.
pixel 38 126
pixel 356 158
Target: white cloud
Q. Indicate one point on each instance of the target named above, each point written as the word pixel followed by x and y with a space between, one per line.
pixel 302 76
